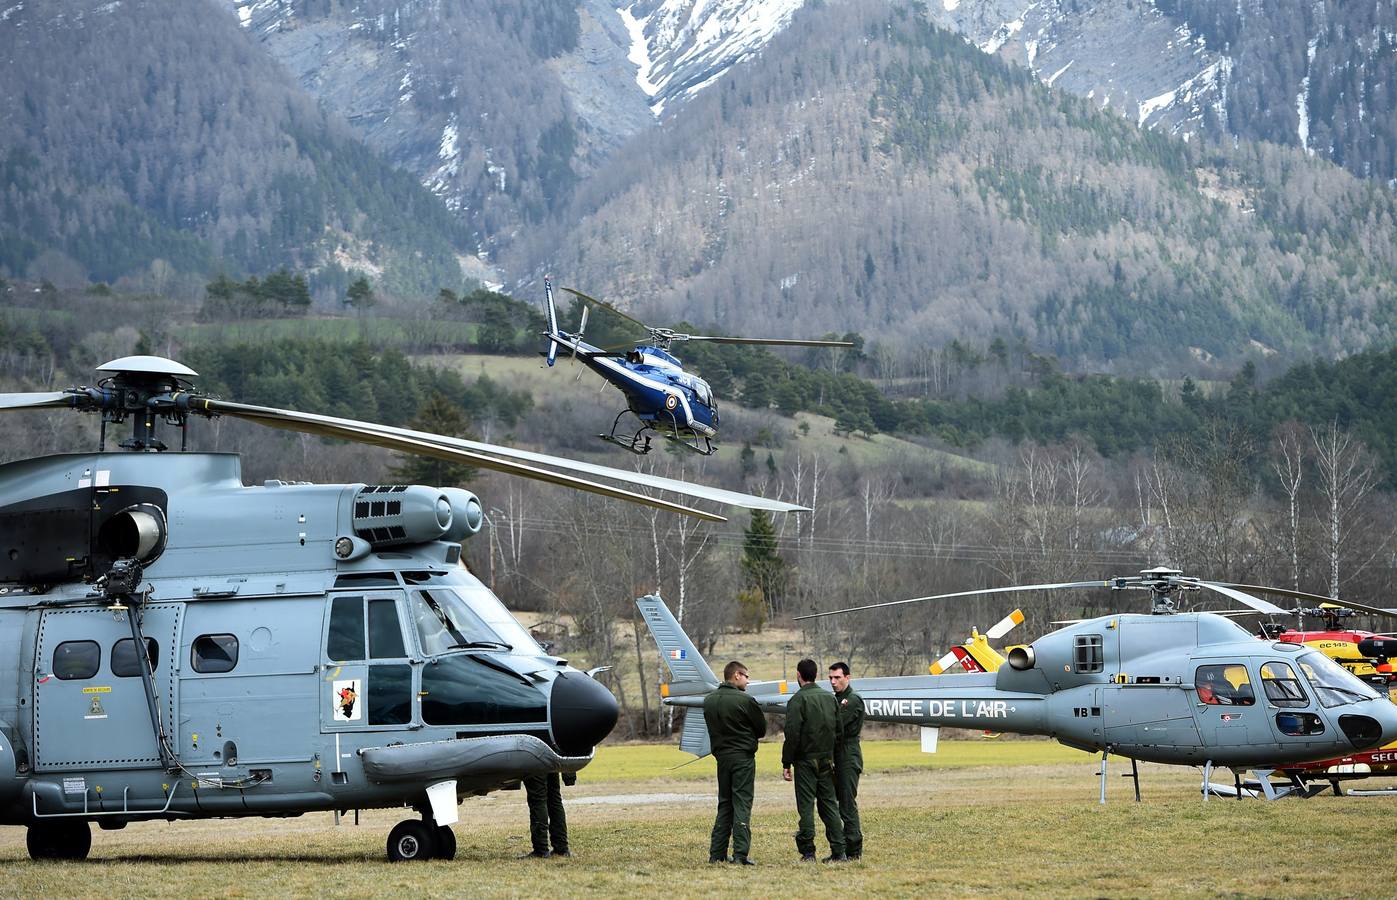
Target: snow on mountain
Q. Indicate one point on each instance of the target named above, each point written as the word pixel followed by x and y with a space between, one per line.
pixel 681 46
pixel 1129 57
pixel 1126 56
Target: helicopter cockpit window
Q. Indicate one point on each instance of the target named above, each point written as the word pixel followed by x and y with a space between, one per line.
pixel 701 391
pixel 1281 686
pixel 493 613
pixel 76 659
pixel 346 639
pixel 385 635
pixel 213 653
pixel 124 661
pixel 1089 654
pixel 460 690
pixel 1224 685
pixel 366 580
pixel 1334 685
pixel 444 622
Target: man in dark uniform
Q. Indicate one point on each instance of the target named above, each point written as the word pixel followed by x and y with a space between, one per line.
pixel 812 729
pixel 848 757
pixel 735 722
pixel 547 821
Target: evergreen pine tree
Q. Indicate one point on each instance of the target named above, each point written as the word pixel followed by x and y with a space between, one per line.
pixel 440 416
pixel 763 567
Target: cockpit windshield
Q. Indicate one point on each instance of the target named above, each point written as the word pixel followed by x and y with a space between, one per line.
pixel 1333 684
pixel 705 396
pixel 462 617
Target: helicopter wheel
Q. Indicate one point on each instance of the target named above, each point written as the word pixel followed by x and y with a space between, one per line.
pixel 446 843
pixel 59 840
pixel 412 840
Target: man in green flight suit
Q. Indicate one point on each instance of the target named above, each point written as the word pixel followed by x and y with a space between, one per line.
pixel 547 818
pixel 812 729
pixel 848 757
pixel 735 722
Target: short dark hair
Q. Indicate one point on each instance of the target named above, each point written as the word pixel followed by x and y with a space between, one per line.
pixel 732 669
pixel 806 668
pixel 843 668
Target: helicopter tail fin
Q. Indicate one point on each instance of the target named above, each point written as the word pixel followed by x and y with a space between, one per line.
pixel 688 672
pixel 553 336
pixel 690 677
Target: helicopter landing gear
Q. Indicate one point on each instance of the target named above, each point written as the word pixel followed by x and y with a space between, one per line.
pixel 700 444
pixel 446 843
pixel 59 840
pixel 692 442
pixel 638 443
pixel 414 840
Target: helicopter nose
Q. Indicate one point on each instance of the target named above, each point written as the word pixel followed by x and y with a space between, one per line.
pixel 1376 729
pixel 582 712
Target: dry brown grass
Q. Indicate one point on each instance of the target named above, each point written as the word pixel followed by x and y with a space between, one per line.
pixel 1020 826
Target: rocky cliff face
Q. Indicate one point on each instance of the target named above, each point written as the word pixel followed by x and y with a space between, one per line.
pixel 1128 56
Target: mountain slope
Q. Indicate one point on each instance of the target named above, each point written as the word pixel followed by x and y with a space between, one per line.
pixel 871 172
pixel 138 131
pixel 1317 74
pixel 473 97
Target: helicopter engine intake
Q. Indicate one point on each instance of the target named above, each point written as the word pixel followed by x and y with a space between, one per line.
pixel 389 515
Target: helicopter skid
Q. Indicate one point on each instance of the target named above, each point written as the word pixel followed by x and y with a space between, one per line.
pixel 638 443
pixel 705 448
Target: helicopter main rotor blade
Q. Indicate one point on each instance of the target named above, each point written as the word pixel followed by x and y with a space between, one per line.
pixel 36 400
pixel 1303 595
pixel 980 593
pixel 352 429
pixel 602 304
pixel 346 430
pixel 1284 592
pixel 780 342
pixel 1255 603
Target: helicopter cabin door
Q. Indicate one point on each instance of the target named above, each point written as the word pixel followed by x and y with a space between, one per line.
pixel 368 683
pixel 1288 690
pixel 1226 707
pixel 90 709
pixel 247 688
pixel 1145 705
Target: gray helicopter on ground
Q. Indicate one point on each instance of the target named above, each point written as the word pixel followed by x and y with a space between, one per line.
pixel 1189 688
pixel 175 644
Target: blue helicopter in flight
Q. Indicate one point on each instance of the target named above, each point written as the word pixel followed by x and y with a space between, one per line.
pixel 660 395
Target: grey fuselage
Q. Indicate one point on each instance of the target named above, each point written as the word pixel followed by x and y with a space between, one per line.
pixel 265 710
pixel 1136 694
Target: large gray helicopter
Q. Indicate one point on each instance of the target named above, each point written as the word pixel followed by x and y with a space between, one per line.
pixel 1190 688
pixel 175 644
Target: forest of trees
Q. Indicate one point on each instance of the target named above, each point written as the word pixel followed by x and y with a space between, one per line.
pixel 913 189
pixel 128 152
pixel 1338 56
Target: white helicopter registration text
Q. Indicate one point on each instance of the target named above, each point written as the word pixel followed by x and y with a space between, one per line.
pixel 909 708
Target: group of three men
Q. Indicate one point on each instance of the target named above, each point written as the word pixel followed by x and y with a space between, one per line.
pixel 821 755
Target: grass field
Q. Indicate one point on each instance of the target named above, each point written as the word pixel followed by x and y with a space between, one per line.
pixel 977 818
